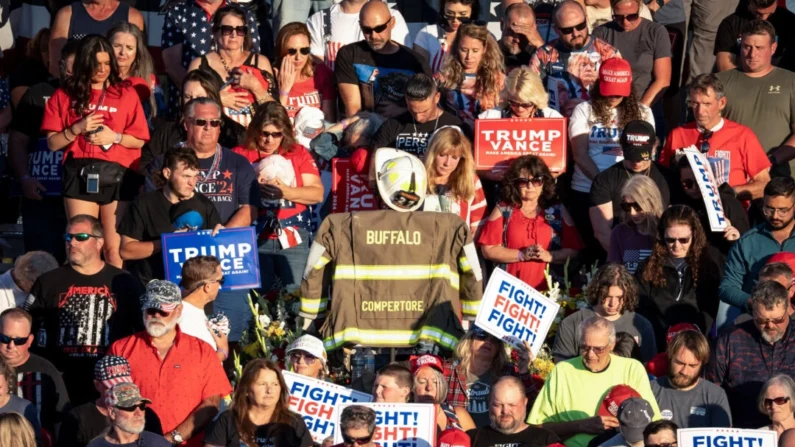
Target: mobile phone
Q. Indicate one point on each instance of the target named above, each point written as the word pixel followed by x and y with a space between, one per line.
pixel 92 183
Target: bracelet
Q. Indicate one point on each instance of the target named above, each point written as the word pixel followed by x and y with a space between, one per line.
pixel 344 123
pixel 67 137
pixel 118 138
pixel 223 351
pixel 283 93
pixel 520 256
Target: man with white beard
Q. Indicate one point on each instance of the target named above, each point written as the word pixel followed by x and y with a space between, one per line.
pixel 162 356
pixel 126 410
pixel 752 352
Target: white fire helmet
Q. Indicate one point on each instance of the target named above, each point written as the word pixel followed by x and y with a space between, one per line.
pixel 401 179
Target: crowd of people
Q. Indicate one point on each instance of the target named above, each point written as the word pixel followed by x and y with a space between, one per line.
pixel 683 326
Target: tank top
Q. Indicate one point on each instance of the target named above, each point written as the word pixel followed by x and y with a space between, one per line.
pixel 82 24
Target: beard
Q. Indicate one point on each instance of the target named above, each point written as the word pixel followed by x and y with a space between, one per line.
pixel 158 328
pixel 130 426
pixel 505 429
pixel 772 338
pixel 780 223
pixel 681 380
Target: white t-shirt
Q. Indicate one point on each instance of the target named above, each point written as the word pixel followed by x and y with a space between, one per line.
pixel 604 143
pixel 432 39
pixel 10 294
pixel 344 30
pixel 194 322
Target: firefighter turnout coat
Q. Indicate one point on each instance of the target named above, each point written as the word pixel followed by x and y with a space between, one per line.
pixel 389 279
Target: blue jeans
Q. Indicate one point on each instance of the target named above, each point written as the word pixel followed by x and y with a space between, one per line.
pixel 288 11
pixel 283 267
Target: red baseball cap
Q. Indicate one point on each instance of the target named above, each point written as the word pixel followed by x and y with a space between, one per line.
pixel 454 437
pixel 615 78
pixel 658 365
pixel 433 361
pixel 677 328
pixel 614 398
pixel 783 257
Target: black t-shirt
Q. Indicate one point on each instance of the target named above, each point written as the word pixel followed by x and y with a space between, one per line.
pixel 406 134
pixel 30 111
pixel 358 64
pixel 148 217
pixel 223 432
pixel 728 38
pixel 607 185
pixel 85 423
pixel 30 72
pixel 529 437
pixel 41 383
pixel 77 317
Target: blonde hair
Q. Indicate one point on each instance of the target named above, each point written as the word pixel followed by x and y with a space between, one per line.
pixel 645 193
pixel 450 140
pixel 490 74
pixel 16 430
pixel 526 86
pixel 441 385
pixel 463 352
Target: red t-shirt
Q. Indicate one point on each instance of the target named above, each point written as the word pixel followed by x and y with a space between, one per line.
pixel 523 232
pixel 177 384
pixel 311 92
pixel 302 162
pixel 733 142
pixel 122 112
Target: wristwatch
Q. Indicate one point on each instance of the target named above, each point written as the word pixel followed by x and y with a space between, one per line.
pixel 178 439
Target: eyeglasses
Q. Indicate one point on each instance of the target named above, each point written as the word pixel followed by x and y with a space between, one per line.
pixel 681 240
pixel 770 211
pixel 141 406
pixel 627 207
pixel 274 135
pixel 688 183
pixel 350 440
pixel 297 356
pixel 525 182
pixel 775 321
pixel 375 29
pixel 203 123
pixel 153 312
pixel 80 237
pixel 220 281
pixel 227 30
pixel 294 51
pixel 629 17
pixel 777 401
pixel 704 148
pixel 665 444
pixel 570 29
pixel 521 105
pixel 19 341
pixel 596 349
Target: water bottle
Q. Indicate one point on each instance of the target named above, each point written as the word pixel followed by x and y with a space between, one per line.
pixel 357 364
pixel 369 361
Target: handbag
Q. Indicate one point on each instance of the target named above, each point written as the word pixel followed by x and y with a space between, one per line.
pixel 110 173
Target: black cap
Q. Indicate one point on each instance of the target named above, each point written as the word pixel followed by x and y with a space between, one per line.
pixel 638 140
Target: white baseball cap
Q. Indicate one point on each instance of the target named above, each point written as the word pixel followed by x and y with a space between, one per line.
pixel 309 344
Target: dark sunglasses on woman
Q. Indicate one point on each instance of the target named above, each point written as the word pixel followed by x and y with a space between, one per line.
pixel 630 17
pixel 629 206
pixel 227 30
pixel 524 182
pixel 294 51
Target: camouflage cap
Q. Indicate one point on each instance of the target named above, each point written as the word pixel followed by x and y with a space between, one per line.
pixel 125 395
pixel 162 295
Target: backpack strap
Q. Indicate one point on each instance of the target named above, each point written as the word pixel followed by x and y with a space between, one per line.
pixel 506 212
pixel 326 17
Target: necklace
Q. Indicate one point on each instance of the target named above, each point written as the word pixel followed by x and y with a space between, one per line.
pixel 223 62
pixel 435 125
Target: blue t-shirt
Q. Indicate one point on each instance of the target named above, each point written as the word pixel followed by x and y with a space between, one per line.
pixel 149 440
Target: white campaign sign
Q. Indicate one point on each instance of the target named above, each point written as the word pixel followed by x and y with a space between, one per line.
pixel 514 312
pixel 399 425
pixel 726 437
pixel 709 190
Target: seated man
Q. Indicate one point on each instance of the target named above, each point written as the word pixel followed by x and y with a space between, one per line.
pixel 576 387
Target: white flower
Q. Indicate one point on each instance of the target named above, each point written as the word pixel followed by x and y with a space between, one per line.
pixel 281 325
pixel 264 320
pixel 275 358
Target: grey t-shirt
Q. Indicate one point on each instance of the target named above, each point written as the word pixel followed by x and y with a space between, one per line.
pixel 567 340
pixel 672 12
pixel 766 105
pixel 478 389
pixel 705 405
pixel 22 406
pixel 640 47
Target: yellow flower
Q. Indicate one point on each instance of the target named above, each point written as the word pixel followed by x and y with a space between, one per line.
pixel 252 349
pixel 280 332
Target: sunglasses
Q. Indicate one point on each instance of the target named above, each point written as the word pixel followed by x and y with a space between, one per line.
pixel 272 134
pixel 80 237
pixel 350 440
pixel 704 147
pixel 520 105
pixel 688 184
pixel 596 349
pixel 203 123
pixel 375 29
pixel 141 406
pixel 294 51
pixel 777 401
pixel 219 281
pixel 153 312
pixel 461 19
pixel 627 207
pixel 570 29
pixel 681 240
pixel 19 341
pixel 776 321
pixel 524 182
pixel 308 358
pixel 629 17
pixel 227 30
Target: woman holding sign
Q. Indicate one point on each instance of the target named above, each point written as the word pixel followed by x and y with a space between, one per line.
pixel 260 410
pixel 677 283
pixel 289 182
pixel 776 401
pixel 528 229
pixel 100 122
